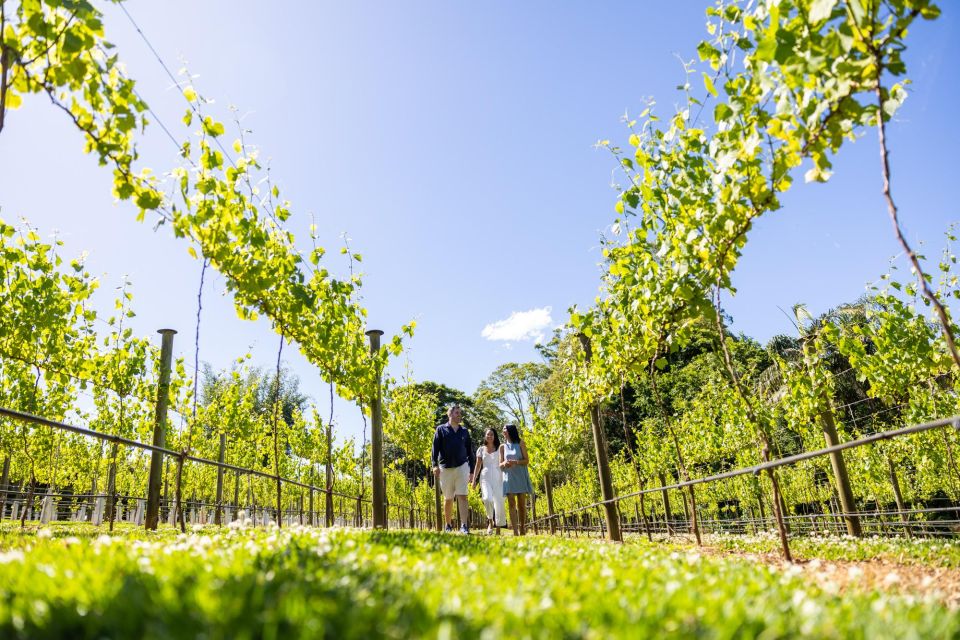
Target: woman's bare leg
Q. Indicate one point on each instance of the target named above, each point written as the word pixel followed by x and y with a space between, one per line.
pixel 512 499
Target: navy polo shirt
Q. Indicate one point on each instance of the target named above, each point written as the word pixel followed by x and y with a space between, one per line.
pixel 452 447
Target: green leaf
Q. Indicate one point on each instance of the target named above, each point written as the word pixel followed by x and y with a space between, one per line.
pixel 708 85
pixel 211 127
pixel 149 200
pixel 930 12
pixel 767 47
pixel 821 9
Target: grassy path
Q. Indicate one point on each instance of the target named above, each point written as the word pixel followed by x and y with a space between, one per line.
pixel 73 582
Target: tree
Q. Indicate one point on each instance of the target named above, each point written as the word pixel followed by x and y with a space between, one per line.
pixel 513 389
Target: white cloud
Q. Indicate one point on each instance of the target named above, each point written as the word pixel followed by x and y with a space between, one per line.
pixel 521 325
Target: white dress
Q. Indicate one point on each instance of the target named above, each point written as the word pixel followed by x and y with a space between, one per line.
pixel 491 485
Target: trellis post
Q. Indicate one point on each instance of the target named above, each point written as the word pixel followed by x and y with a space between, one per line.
pixel 603 465
pixel 159 431
pixel 376 437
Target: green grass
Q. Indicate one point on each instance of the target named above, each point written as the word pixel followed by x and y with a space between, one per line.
pixel 74 582
pixel 921 551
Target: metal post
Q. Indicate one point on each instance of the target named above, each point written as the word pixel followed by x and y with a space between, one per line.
pixel 376 437
pixel 159 431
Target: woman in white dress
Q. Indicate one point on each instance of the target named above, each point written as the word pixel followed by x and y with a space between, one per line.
pixel 487 473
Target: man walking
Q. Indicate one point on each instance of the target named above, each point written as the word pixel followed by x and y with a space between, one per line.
pixel 453 464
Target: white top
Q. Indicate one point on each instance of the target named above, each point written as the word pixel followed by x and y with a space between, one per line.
pixel 491 462
pixel 491 477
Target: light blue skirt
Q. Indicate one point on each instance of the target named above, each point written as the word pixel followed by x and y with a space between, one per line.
pixel 516 480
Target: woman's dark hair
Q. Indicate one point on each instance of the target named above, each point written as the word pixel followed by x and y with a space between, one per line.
pixel 496 438
pixel 513 433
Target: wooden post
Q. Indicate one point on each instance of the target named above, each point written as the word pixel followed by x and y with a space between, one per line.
pixel 759 492
pixel 643 513
pixel 548 491
pixel 777 506
pixel 667 514
pixel 4 481
pixel 840 475
pixel 376 438
pixel 28 503
pixel 178 495
pixel 603 465
pixel 221 457
pixel 112 485
pixel 152 518
pixel 236 493
pixel 901 507
pixel 533 512
pixel 328 504
pixel 386 505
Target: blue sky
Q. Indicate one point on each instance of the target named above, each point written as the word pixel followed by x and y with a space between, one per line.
pixel 453 143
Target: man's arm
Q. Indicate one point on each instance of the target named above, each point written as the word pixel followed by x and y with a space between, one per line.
pixel 434 457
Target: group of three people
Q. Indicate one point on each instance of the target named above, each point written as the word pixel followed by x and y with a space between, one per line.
pixel 499 469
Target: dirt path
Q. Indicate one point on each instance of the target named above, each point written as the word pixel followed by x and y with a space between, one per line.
pixel 838 576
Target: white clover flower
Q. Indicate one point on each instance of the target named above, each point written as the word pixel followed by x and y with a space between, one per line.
pixel 14 555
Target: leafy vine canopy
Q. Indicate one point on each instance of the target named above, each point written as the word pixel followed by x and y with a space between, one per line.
pixel 784 82
pixel 213 200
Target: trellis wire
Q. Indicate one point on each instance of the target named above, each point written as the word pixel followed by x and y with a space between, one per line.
pixel 33 419
pixel 755 470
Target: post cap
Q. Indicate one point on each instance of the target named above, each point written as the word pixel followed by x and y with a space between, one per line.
pixel 171 332
pixel 374 332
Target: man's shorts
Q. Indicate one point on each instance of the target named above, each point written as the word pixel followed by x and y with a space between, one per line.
pixel 453 482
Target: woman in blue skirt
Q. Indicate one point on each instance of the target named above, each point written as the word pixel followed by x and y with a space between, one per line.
pixel 516 478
